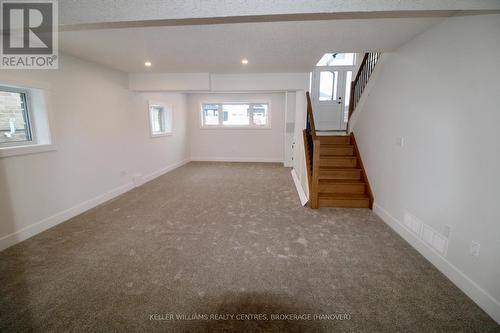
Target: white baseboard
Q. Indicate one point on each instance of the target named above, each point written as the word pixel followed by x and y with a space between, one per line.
pixel 300 190
pixel 163 171
pixel 237 159
pixel 51 221
pixel 487 302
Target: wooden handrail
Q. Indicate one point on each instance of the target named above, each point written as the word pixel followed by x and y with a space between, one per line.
pixel 361 80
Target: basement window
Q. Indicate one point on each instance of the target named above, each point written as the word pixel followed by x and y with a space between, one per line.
pixel 24 119
pixel 15 125
pixel 235 115
pixel 160 119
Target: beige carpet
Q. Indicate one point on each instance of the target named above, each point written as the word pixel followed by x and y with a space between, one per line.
pixel 226 239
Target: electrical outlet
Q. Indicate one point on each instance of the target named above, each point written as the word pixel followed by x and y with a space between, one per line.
pixel 474 248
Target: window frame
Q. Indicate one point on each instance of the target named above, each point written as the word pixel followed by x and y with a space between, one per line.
pixel 27 115
pixel 168 117
pixel 250 126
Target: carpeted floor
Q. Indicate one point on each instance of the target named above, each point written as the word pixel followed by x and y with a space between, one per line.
pixel 223 238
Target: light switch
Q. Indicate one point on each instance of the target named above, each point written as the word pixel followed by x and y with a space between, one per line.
pixel 474 248
pixel 401 141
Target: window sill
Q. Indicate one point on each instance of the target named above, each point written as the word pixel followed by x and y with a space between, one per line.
pixel 25 150
pixel 235 127
pixel 161 135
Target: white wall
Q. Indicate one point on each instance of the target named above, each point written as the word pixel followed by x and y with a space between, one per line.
pixel 441 92
pixel 169 81
pixel 155 154
pixel 223 83
pixel 299 161
pixel 259 82
pixel 242 145
pixel 290 101
pixel 103 141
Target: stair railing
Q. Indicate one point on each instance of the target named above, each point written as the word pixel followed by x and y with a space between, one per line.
pixel 311 148
pixel 361 80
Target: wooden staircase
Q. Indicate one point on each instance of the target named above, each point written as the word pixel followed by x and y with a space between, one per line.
pixel 341 180
pixel 336 174
pixel 335 171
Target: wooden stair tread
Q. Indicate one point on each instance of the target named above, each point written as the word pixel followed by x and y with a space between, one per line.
pixel 341 181
pixel 350 196
pixel 344 161
pixel 334 138
pixel 336 145
pixel 336 150
pixel 345 200
pixel 337 157
pixel 334 168
pixel 328 172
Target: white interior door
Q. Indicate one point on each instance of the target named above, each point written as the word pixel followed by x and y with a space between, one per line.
pixel 330 97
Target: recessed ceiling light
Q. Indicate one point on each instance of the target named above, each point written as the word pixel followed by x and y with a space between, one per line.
pixel 148 64
pixel 244 61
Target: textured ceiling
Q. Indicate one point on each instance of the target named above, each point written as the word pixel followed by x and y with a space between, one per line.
pixel 218 48
pixel 214 35
pixel 78 12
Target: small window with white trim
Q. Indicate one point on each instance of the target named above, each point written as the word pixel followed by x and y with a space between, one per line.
pixel 235 115
pixel 15 119
pixel 160 119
